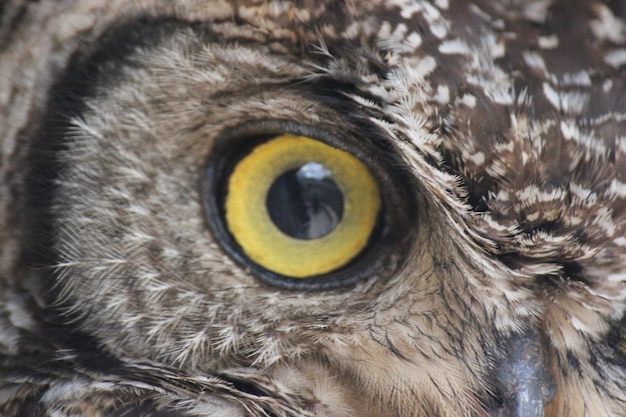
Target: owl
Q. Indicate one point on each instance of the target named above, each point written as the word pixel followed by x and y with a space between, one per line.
pixel 313 208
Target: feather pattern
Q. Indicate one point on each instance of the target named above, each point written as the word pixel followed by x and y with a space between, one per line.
pixel 502 123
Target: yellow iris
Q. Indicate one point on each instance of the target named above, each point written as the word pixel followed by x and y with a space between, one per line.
pixel 249 220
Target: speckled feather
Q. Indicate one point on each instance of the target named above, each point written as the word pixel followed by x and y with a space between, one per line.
pixel 509 119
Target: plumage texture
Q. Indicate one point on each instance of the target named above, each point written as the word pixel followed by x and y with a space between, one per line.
pixel 508 120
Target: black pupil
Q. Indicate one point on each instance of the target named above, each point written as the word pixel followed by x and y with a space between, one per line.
pixel 305 203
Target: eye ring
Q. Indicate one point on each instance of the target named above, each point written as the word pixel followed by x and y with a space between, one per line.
pixel 255 230
pixel 382 254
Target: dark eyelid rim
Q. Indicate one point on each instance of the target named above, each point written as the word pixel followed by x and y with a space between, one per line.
pixel 374 261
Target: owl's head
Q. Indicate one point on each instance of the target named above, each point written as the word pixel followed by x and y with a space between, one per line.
pixel 370 208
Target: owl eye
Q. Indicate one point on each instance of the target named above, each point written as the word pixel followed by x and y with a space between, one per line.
pixel 299 207
pixel 299 212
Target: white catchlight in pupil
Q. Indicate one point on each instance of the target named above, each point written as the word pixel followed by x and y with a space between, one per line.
pixel 313 170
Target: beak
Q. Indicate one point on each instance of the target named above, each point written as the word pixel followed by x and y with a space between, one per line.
pixel 521 374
